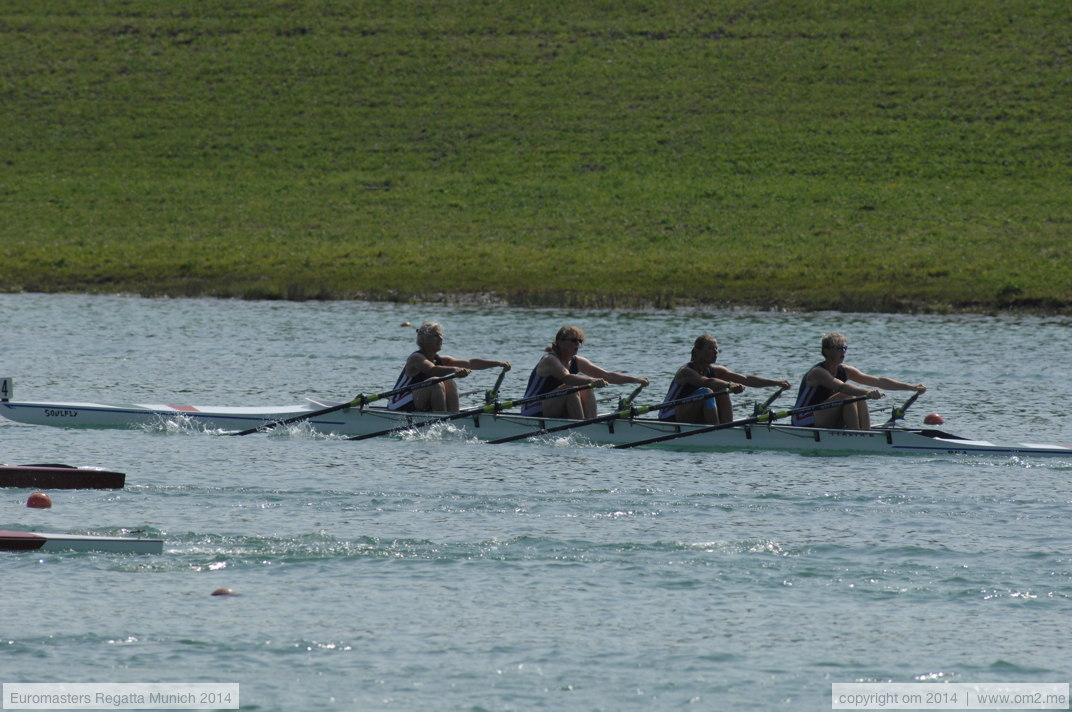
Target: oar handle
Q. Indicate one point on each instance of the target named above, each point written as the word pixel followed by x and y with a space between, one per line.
pixel 359 400
pixel 762 418
pixel 633 412
pixel 629 412
pixel 363 400
pixel 541 396
pixel 489 408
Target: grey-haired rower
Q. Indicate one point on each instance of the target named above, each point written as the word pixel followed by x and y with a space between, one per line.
pixel 426 362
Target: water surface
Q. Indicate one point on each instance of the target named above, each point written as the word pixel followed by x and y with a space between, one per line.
pixel 440 574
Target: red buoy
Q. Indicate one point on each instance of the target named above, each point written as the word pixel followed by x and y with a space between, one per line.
pixel 39 500
pixel 224 592
pixel 933 419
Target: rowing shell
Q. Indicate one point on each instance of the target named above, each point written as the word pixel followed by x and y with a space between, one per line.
pixel 59 477
pixel 485 426
pixel 41 541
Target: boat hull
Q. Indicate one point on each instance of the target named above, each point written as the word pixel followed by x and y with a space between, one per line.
pixel 44 541
pixel 351 422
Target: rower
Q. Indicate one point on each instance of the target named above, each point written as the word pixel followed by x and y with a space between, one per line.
pixel 426 362
pixel 701 374
pixel 829 379
pixel 560 368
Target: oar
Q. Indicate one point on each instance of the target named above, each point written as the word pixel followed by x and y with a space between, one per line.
pixel 630 412
pixel 492 395
pixel 489 408
pixel 628 400
pixel 763 407
pixel 360 400
pixel 899 413
pixel 761 418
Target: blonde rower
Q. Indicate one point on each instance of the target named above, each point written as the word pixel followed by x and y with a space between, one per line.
pixel 829 381
pixel 561 367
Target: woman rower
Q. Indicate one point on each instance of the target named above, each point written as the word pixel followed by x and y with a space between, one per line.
pixel 829 381
pixel 426 362
pixel 561 367
pixel 702 375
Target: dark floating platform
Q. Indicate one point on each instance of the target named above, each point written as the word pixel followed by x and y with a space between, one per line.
pixel 59 477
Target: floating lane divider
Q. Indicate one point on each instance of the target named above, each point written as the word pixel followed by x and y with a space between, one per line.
pixel 761 418
pixel 630 412
pixel 360 400
pixel 494 407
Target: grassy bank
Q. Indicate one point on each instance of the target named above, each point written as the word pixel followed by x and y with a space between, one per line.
pixel 857 155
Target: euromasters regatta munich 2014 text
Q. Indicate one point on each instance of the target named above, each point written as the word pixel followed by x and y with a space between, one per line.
pixel 102 698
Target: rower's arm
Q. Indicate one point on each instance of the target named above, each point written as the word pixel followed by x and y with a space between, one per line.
pixel 723 380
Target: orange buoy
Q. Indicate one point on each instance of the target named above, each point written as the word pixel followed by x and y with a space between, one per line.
pixel 39 500
pixel 933 419
pixel 405 323
pixel 224 592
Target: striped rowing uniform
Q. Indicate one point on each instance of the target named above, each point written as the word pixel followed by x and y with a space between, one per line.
pixel 404 401
pixel 538 385
pixel 682 390
pixel 813 395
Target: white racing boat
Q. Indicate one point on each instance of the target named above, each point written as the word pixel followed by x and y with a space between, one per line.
pixel 43 541
pixel 491 424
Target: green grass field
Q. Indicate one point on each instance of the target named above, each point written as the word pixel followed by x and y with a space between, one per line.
pixel 903 155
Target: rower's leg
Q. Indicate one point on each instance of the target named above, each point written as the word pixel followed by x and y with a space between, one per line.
pixel 725 407
pixel 436 398
pixel 588 405
pixel 702 411
pixel 424 399
pixel 832 417
pixel 863 415
pixel 856 416
pixel 567 406
pixel 451 399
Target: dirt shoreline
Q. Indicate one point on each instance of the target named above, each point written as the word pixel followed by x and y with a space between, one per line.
pixel 571 300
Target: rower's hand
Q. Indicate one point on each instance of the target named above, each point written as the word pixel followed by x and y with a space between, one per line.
pixel 919 387
pixel 736 388
pixel 462 372
pixel 783 385
pixel 505 365
pixel 875 394
pixel 643 382
pixel 598 382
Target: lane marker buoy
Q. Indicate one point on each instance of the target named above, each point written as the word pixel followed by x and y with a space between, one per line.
pixel 39 500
